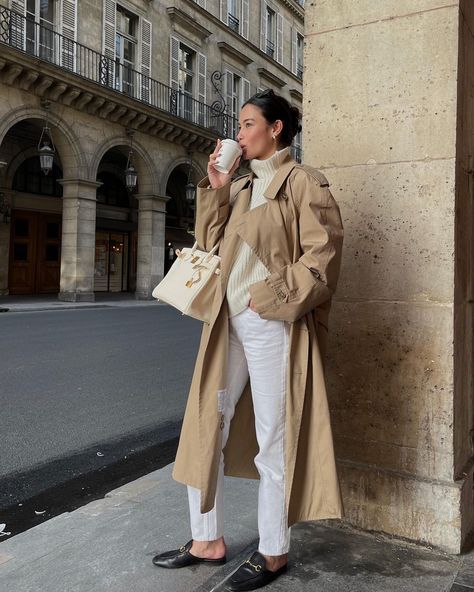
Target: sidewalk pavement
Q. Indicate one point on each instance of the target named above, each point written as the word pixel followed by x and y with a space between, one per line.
pixel 108 545
pixel 50 302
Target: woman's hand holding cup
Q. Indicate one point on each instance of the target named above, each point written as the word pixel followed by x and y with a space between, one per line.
pixel 224 154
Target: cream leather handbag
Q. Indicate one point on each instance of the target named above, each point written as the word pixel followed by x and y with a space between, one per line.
pixel 191 282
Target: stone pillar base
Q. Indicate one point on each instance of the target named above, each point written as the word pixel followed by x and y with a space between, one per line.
pixel 428 511
pixel 76 296
pixel 143 296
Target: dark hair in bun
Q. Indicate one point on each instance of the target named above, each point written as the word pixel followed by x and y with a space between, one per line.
pixel 275 107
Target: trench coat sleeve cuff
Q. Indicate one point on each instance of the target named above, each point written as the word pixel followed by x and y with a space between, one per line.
pixel 267 294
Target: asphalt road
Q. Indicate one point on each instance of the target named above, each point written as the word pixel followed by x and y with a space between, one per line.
pixel 78 381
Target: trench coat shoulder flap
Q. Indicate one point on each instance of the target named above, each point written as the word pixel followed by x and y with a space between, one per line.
pixel 309 282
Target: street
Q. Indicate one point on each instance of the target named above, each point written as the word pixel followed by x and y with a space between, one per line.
pixel 81 388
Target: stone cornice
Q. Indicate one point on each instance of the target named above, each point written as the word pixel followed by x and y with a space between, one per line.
pixel 295 8
pixel 178 16
pixel 47 81
pixel 270 77
pixel 235 53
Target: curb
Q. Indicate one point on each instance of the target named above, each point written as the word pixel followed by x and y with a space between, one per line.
pixel 65 484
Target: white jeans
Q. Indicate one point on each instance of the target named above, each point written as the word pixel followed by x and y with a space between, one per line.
pixel 257 348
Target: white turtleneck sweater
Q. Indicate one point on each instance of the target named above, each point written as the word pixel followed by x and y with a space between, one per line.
pixel 247 268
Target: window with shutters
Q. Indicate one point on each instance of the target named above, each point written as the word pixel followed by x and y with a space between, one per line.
pixel 186 80
pixel 270 30
pixel 233 16
pixel 237 91
pixel 39 40
pixel 126 43
pixel 235 13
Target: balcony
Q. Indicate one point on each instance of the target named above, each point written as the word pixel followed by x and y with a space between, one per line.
pixel 95 72
pixel 270 48
pixel 234 22
pixel 299 70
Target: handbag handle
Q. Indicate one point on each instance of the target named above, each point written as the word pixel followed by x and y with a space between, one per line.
pixel 209 255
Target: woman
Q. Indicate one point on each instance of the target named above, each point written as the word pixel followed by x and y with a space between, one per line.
pixel 257 405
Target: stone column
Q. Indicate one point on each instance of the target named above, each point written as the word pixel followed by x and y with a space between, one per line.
pixel 78 240
pixel 4 253
pixel 151 243
pixel 388 114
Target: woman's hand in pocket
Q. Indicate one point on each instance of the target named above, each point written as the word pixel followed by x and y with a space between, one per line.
pixel 251 306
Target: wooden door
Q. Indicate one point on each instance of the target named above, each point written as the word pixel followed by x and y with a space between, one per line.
pixel 48 254
pixel 35 253
pixel 24 232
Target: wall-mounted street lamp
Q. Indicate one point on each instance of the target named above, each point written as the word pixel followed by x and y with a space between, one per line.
pixel 131 175
pixel 46 147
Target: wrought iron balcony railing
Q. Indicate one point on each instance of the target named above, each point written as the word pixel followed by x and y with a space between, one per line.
pixel 234 22
pixel 270 48
pixel 43 43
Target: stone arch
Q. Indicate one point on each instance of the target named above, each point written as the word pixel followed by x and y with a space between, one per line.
pixel 67 143
pixel 197 169
pixel 147 173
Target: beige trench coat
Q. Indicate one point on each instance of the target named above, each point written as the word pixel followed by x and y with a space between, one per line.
pixel 298 236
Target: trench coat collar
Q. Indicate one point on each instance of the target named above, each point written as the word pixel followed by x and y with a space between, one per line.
pixel 286 166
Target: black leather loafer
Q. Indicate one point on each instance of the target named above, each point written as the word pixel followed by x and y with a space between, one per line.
pixel 182 557
pixel 253 574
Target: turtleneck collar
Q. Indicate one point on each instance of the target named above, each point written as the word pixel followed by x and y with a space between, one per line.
pixel 268 167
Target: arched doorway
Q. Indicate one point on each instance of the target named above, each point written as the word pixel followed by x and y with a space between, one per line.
pixel 180 214
pixel 115 267
pixel 35 231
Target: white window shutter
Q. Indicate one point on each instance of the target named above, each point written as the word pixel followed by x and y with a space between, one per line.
pixel 174 63
pixel 202 67
pixel 245 19
pixel 202 3
pixel 279 39
pixel 68 28
pixel 17 31
pixel 294 49
pixel 263 25
pixel 108 43
pixel 145 39
pixel 224 13
pixel 228 89
pixel 202 64
pixel 245 90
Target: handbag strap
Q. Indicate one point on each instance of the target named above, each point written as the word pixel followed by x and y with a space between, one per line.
pixel 211 252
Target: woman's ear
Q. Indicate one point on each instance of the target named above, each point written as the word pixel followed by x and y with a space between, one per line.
pixel 277 127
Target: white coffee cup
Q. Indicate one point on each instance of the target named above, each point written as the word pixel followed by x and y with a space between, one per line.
pixel 227 155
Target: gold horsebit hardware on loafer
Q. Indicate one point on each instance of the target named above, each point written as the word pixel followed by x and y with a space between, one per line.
pixel 182 549
pixel 256 567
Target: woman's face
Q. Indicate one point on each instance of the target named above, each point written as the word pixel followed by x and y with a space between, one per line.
pixel 255 134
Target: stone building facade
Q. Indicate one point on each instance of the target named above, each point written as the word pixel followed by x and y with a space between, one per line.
pixel 388 117
pixel 160 79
